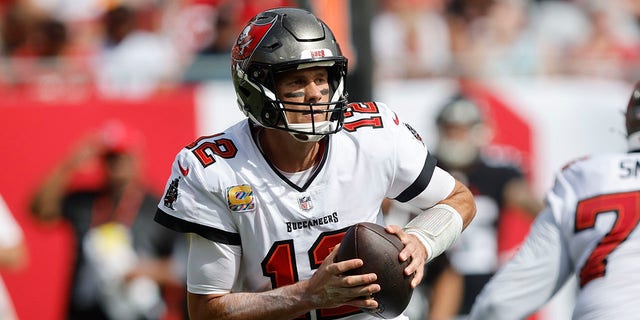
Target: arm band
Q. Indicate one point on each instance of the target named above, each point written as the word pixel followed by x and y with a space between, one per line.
pixel 437 228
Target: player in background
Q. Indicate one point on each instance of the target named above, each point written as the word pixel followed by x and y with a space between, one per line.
pixel 266 201
pixel 122 259
pixel 12 256
pixel 497 183
pixel 588 230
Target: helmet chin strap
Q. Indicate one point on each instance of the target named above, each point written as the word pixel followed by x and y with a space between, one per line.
pixel 306 137
pixel 320 127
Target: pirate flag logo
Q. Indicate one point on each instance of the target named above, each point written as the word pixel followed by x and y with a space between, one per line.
pixel 172 194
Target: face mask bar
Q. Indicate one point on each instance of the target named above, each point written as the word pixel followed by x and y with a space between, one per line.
pixel 270 112
pixel 334 117
pixel 275 115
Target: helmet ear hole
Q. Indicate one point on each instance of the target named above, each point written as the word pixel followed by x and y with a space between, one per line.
pixel 270 117
pixel 244 91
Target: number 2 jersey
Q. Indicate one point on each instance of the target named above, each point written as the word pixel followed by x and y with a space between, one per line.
pixel 588 230
pixel 277 232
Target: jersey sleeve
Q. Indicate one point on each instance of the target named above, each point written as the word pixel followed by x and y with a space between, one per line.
pixel 417 179
pixel 194 204
pixel 539 269
pixel 530 278
pixel 212 266
pixel 562 198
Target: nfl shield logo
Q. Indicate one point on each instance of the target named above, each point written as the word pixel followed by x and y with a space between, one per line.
pixel 305 203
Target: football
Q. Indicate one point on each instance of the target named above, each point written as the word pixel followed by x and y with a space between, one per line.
pixel 379 251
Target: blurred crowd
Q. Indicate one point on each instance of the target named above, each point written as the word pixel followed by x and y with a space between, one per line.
pixel 489 38
pixel 130 48
pixel 70 49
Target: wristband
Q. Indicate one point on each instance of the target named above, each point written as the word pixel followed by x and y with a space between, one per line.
pixel 437 228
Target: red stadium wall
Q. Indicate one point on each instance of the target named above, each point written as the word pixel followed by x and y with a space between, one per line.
pixel 34 137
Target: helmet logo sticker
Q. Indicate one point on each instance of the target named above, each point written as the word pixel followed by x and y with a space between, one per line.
pixel 240 198
pixel 249 39
pixel 316 53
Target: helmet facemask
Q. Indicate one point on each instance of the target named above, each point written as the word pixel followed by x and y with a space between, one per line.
pixel 275 110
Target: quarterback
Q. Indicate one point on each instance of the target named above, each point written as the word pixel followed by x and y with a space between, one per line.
pixel 265 202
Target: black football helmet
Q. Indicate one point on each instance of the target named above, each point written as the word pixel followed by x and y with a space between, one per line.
pixel 453 149
pixel 632 116
pixel 280 40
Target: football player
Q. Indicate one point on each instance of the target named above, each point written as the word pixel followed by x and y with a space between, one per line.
pixel 498 185
pixel 265 202
pixel 588 230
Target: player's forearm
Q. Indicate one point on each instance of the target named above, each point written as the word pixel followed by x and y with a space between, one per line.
pixel 446 295
pixel 47 201
pixel 12 257
pixel 46 204
pixel 439 226
pixel 282 303
pixel 517 193
pixel 462 200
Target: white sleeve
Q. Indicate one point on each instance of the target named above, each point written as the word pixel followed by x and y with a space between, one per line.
pixel 439 188
pixel 530 279
pixel 212 267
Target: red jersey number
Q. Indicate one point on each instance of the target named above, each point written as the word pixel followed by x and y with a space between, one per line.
pixel 627 208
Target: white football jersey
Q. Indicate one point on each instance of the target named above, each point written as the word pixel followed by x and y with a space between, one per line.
pixel 223 189
pixel 589 230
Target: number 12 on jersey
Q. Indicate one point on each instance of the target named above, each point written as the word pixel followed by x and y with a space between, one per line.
pixel 280 265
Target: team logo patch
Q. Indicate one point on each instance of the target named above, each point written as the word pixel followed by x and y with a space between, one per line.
pixel 172 194
pixel 305 203
pixel 240 198
pixel 414 132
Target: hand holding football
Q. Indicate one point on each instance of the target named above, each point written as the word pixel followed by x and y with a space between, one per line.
pixel 379 251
